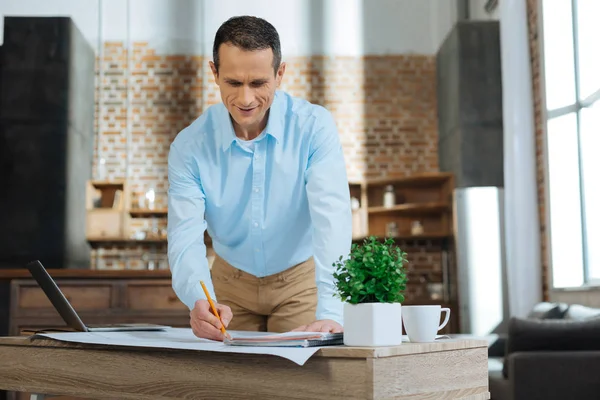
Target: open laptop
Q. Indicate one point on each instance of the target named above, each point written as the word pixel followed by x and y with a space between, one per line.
pixel 66 311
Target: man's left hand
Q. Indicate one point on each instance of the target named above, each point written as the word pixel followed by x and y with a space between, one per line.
pixel 323 325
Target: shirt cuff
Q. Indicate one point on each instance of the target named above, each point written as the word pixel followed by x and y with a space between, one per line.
pixel 195 293
pixel 330 307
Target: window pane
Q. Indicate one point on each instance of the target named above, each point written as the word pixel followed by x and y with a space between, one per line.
pixel 588 31
pixel 565 207
pixel 590 143
pixel 559 65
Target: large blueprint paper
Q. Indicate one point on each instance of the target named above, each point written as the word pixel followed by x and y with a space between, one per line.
pixel 177 338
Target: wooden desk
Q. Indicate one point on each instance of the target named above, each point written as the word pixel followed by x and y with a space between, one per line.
pixel 99 296
pixel 449 370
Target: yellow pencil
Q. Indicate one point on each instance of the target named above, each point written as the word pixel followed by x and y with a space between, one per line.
pixel 214 309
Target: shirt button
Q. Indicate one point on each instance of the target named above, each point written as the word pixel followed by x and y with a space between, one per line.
pixel 257 250
pixel 257 157
pixel 256 224
pixel 256 190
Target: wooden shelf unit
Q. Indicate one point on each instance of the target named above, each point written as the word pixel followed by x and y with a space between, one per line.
pixel 410 208
pixel 426 198
pixel 106 205
pixel 121 241
pixel 147 213
pixel 110 225
pixel 107 240
pixel 423 236
pixel 110 212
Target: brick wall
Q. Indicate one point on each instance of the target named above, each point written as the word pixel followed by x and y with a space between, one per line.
pixel 385 109
pixel 534 48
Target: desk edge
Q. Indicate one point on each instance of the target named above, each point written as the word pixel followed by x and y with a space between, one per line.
pixel 331 352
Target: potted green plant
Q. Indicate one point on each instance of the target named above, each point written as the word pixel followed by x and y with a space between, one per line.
pixel 371 281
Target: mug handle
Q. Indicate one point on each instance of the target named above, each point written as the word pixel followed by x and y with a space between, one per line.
pixel 446 319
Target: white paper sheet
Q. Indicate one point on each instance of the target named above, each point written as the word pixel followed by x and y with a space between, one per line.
pixel 178 338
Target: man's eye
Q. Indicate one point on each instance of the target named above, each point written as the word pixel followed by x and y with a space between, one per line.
pixel 257 84
pixel 235 84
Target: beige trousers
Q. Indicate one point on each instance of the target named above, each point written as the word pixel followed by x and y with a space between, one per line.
pixel 276 303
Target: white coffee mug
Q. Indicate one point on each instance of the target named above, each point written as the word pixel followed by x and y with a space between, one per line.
pixel 422 323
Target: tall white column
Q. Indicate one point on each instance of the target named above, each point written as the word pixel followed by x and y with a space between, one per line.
pixel 522 229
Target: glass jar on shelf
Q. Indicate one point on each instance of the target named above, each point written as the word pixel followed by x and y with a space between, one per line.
pixel 416 228
pixel 150 198
pixel 391 229
pixel 101 170
pixel 389 196
pixel 435 290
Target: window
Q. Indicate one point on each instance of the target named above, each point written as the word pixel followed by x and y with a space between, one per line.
pixel 565 209
pixel 572 86
pixel 590 162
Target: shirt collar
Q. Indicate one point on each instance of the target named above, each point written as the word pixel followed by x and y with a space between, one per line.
pixel 275 123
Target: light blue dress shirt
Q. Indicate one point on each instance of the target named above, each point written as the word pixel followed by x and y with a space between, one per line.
pixel 267 205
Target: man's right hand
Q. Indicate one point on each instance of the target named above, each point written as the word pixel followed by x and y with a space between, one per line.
pixel 205 324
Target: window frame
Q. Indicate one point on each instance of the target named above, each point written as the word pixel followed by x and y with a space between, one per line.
pixel 575 108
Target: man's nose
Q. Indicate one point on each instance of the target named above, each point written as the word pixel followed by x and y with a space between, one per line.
pixel 246 96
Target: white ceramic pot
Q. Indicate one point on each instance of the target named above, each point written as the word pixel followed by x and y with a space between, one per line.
pixel 372 324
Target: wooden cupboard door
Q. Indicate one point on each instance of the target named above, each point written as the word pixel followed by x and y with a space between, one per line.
pixel 82 297
pixel 152 296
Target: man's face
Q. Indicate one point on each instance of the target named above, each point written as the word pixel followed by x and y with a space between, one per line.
pixel 247 83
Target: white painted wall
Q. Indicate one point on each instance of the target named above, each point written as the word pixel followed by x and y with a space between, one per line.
pixel 84 13
pixel 331 27
pixel 443 17
pixel 477 11
pixel 522 230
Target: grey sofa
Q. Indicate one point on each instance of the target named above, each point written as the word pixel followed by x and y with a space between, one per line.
pixel 552 354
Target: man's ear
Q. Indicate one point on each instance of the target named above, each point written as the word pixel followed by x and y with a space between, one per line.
pixel 213 68
pixel 280 73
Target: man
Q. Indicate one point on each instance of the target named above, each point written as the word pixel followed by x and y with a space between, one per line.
pixel 264 173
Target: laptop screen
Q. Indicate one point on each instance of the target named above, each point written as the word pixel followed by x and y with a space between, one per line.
pixel 56 296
